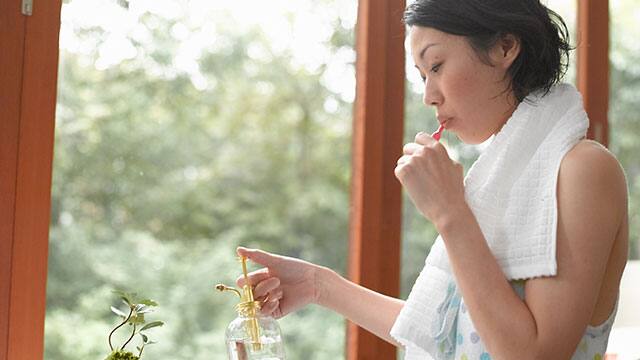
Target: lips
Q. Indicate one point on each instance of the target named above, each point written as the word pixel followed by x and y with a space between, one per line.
pixel 443 120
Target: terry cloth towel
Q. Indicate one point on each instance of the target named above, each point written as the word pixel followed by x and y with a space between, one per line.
pixel 511 190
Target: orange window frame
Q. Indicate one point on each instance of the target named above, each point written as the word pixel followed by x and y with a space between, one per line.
pixel 28 80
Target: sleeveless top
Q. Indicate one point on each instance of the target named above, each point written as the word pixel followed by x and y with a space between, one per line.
pixel 469 346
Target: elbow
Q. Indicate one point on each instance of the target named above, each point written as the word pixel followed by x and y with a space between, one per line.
pixel 539 355
pixel 535 352
pixel 545 352
pixel 545 355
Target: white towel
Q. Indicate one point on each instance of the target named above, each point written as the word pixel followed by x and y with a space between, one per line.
pixel 511 190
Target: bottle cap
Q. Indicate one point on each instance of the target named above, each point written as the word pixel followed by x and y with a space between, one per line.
pixel 247 307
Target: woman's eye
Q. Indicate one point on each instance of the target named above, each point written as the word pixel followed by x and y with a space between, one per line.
pixel 436 67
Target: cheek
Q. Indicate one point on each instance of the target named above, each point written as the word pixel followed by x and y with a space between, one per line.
pixel 464 91
pixel 469 93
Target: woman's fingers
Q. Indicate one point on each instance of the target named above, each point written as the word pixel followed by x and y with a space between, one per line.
pixel 404 159
pixel 258 256
pixel 425 141
pixel 255 277
pixel 423 138
pixel 266 286
pixel 269 307
pixel 410 148
pixel 270 303
pixel 276 294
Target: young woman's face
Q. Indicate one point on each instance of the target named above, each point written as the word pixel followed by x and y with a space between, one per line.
pixel 468 94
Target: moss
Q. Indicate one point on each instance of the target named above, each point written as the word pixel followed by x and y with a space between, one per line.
pixel 122 355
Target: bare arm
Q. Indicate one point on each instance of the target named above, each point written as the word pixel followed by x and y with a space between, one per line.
pixel 371 310
pixel 591 200
pixel 287 284
pixel 553 317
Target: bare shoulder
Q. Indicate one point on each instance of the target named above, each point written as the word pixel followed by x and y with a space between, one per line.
pixel 592 192
pixel 591 167
pixel 589 152
pixel 592 185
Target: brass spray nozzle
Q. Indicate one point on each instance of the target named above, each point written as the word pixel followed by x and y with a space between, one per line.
pixel 247 307
pixel 223 287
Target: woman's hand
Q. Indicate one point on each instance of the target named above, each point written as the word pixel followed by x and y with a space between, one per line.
pixel 285 284
pixel 433 181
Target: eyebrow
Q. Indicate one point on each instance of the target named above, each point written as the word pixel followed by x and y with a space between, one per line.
pixel 425 49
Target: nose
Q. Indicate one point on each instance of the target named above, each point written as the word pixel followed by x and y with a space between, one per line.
pixel 432 95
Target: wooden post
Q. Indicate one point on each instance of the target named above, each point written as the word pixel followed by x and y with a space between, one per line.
pixel 28 80
pixel 593 65
pixel 374 248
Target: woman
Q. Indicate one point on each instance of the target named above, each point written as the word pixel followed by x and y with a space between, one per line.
pixel 532 243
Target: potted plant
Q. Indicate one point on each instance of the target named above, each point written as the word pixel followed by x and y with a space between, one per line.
pixel 134 317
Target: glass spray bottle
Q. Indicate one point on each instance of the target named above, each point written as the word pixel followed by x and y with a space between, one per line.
pixel 252 336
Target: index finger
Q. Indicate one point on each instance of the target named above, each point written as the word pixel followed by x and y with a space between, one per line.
pixel 254 277
pixel 423 138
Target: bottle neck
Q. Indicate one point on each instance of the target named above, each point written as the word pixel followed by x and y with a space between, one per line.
pixel 248 309
pixel 243 315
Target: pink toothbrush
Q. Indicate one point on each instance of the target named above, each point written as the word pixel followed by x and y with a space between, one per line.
pixel 436 135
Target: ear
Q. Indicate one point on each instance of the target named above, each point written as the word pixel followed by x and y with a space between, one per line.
pixel 506 50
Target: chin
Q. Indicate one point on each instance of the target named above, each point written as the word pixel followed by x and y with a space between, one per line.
pixel 475 139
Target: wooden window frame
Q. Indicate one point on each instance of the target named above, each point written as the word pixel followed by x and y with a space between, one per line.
pixel 375 217
pixel 593 65
pixel 28 83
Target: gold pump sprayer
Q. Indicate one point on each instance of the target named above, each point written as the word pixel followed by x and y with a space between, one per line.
pixel 247 307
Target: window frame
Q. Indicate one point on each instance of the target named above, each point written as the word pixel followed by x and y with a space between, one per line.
pixel 28 83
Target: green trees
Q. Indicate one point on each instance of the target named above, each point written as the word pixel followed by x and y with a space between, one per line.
pixel 160 173
pixel 624 115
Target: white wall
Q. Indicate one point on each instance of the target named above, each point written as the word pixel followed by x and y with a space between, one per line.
pixel 629 307
pixel 624 340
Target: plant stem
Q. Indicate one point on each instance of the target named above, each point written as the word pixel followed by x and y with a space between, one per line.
pixel 117 327
pixel 140 353
pixel 132 334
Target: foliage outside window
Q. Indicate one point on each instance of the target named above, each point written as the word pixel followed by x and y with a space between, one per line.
pixel 184 129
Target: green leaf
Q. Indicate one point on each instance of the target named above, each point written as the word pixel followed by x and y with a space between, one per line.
pixel 128 303
pixel 119 293
pixel 137 319
pixel 118 312
pixel 152 325
pixel 148 302
pixel 128 298
pixel 142 309
pixel 121 355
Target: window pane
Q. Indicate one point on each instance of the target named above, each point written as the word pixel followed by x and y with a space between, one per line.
pixel 624 142
pixel 183 130
pixel 624 120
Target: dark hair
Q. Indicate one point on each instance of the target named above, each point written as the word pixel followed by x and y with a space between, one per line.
pixel 543 35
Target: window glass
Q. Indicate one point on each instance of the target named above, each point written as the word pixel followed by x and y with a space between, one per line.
pixel 624 97
pixel 184 129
